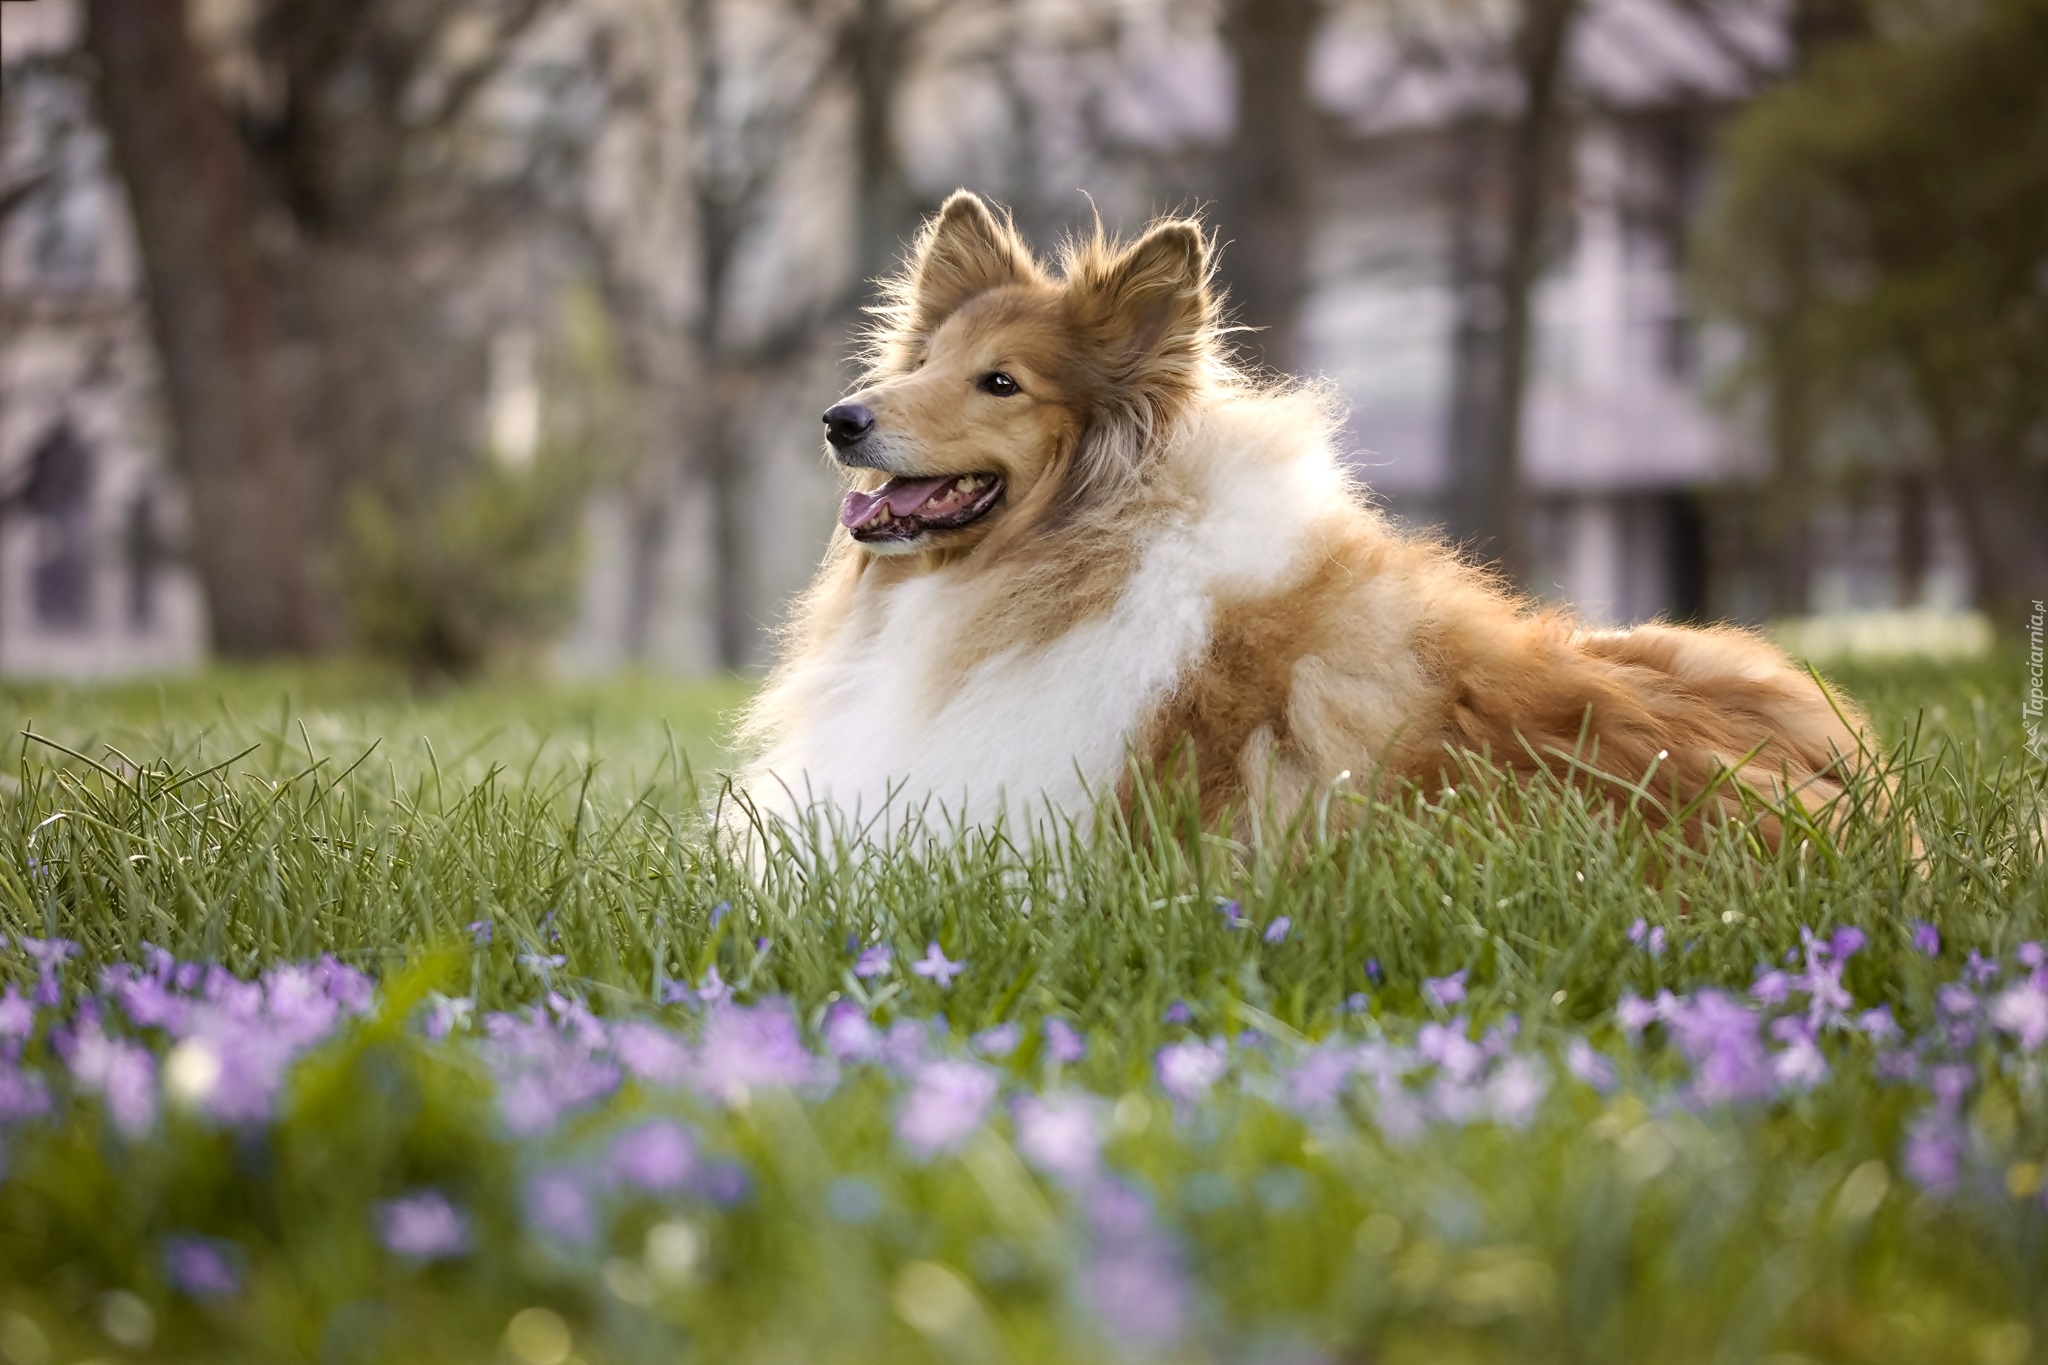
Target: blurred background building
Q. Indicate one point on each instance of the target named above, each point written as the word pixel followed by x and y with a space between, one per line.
pixel 461 330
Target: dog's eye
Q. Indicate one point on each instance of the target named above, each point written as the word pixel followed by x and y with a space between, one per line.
pixel 997 383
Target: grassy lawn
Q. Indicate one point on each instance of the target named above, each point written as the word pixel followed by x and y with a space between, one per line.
pixel 534 1071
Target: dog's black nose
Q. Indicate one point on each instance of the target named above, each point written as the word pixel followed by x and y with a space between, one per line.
pixel 846 423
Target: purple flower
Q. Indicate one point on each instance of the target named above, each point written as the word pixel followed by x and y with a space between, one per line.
pixel 1956 1000
pixel 557 1203
pixel 1188 1069
pixel 657 1157
pixel 848 1034
pixel 1800 1066
pixel 1233 914
pixel 2032 954
pixel 1442 992
pixel 718 914
pixel 120 1072
pixel 1179 1013
pixel 2022 1011
pixel 874 961
pixel 1719 1038
pixel 1981 970
pixel 1315 1085
pixel 745 1049
pixel 17 1014
pixel 422 1226
pixel 904 1045
pixel 1637 930
pixel 1276 932
pixel 1847 942
pixel 948 1101
pixel 202 1267
pixel 1140 1294
pixel 49 955
pixel 540 964
pixel 935 966
pixel 713 990
pixel 651 1053
pixel 1584 1061
pixel 23 1094
pixel 542 1072
pixel 1878 1025
pixel 1655 945
pixel 724 1183
pixel 999 1041
pixel 1358 1002
pixel 445 1014
pixel 1373 971
pixel 1514 1091
pixel 1634 1014
pixel 1772 988
pixel 481 932
pixel 1950 1083
pixel 1063 1042
pixel 1934 1152
pixel 1449 1049
pixel 1061 1134
pixel 1926 938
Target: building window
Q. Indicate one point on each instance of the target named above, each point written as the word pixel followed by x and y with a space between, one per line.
pixel 58 500
pixel 143 556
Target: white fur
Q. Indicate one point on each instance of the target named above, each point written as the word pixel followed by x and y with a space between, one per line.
pixel 1037 731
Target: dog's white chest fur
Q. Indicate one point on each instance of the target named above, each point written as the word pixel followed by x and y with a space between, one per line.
pixel 874 731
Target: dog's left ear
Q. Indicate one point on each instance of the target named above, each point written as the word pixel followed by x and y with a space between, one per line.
pixel 1149 311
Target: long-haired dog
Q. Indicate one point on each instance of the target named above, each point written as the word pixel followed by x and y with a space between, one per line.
pixel 1076 536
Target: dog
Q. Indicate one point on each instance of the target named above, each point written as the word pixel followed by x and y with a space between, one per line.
pixel 1079 542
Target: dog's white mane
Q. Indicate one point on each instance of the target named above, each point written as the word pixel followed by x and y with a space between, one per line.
pixel 868 726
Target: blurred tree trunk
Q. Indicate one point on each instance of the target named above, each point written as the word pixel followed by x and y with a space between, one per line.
pixel 1489 489
pixel 211 315
pixel 1265 201
pixel 1787 514
pixel 878 42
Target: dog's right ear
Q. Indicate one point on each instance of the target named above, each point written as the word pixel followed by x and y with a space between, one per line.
pixel 964 250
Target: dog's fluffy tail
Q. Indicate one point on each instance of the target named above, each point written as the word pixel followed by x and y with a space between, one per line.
pixel 1690 724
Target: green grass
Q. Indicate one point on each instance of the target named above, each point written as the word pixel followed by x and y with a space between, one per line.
pixel 359 820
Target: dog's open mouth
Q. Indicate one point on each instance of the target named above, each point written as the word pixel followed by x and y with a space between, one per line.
pixel 905 508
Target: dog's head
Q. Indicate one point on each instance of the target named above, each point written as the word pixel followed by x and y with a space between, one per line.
pixel 1001 397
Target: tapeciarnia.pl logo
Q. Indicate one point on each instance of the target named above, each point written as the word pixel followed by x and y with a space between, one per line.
pixel 2030 709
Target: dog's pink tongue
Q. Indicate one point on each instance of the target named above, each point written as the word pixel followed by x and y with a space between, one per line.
pixel 903 496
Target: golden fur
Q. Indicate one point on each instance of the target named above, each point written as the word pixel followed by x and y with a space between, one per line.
pixel 1337 644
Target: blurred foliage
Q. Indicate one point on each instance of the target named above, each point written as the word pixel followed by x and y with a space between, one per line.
pixel 485 569
pixel 1881 238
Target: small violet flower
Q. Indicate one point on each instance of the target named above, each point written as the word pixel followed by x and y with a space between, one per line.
pixel 202 1267
pixel 1276 932
pixel 657 1157
pixel 936 966
pixel 1063 1042
pixel 873 961
pixel 948 1101
pixel 999 1041
pixel 1188 1069
pixel 1442 992
pixel 422 1226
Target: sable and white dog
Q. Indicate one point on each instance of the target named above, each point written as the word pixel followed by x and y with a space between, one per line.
pixel 1076 535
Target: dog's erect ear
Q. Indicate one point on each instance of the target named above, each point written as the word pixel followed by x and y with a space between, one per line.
pixel 965 250
pixel 1148 311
